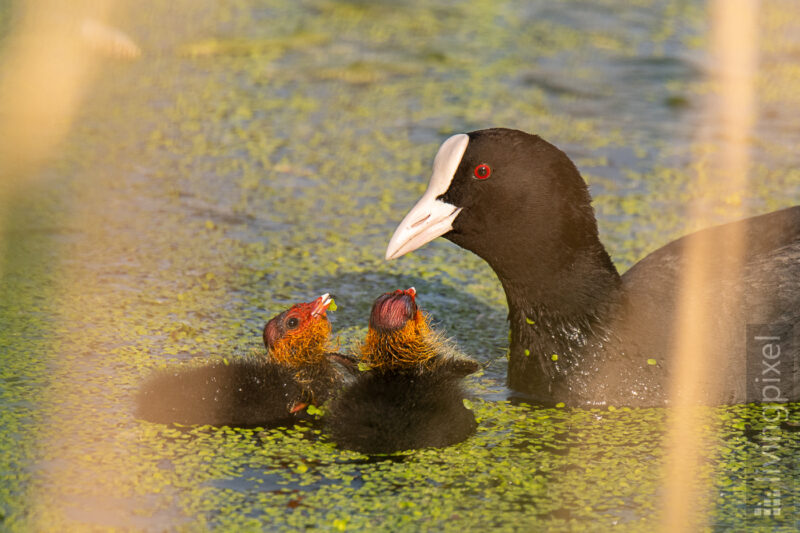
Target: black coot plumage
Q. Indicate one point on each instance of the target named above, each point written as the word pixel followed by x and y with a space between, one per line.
pixel 581 333
pixel 412 395
pixel 300 370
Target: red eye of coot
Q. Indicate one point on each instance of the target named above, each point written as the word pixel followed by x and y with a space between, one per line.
pixel 482 172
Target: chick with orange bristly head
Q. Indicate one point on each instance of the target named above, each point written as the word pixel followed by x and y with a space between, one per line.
pixel 412 395
pixel 399 337
pixel 300 369
pixel 300 336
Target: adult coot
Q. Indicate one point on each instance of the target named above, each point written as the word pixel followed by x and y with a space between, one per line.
pixel 300 369
pixel 581 333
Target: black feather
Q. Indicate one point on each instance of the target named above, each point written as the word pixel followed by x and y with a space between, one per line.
pixel 385 412
pixel 242 392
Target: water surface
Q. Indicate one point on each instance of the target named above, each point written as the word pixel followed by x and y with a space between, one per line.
pixel 260 153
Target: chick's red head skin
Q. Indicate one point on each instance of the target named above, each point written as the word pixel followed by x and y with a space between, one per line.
pixel 394 310
pixel 301 334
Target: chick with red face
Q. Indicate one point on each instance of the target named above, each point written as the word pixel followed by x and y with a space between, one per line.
pixel 300 369
pixel 300 335
pixel 411 395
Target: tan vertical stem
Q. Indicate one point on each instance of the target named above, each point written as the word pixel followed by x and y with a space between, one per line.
pixel 734 48
pixel 43 68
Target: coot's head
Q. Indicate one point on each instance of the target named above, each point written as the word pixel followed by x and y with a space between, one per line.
pixel 506 195
pixel 300 334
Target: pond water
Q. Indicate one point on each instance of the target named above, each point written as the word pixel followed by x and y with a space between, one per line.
pixel 260 153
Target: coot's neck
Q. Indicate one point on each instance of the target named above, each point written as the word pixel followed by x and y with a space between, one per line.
pixel 561 310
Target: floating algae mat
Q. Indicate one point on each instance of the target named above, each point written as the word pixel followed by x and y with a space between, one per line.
pixel 260 153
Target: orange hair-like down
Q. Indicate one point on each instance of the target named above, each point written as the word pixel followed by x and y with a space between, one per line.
pixel 413 344
pixel 305 346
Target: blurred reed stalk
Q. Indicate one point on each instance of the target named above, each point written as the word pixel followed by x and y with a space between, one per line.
pixel 43 71
pixel 46 63
pixel 730 118
pixel 48 59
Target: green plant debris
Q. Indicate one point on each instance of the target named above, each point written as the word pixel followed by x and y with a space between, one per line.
pixel 252 47
pixel 260 154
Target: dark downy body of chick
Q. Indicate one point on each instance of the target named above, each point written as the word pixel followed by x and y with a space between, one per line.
pixel 300 370
pixel 412 396
pixel 581 333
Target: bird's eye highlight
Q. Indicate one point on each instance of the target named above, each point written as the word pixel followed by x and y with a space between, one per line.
pixel 483 171
pixel 292 323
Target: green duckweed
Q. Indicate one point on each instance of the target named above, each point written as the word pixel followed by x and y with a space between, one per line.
pixel 260 154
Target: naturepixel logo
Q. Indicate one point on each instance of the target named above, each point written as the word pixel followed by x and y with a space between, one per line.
pixel 770 497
